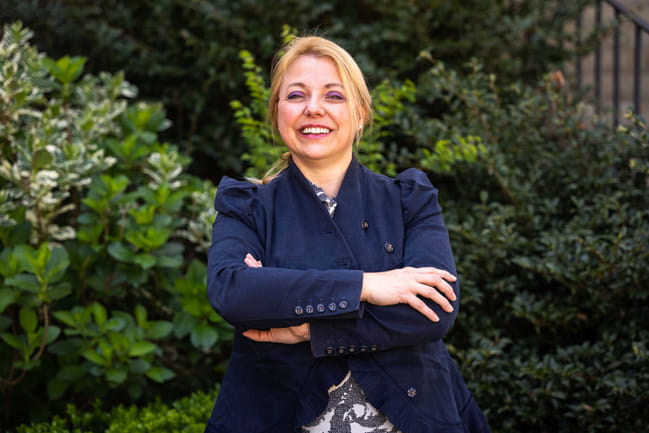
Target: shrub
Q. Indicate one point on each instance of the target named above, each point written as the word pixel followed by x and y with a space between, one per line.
pixel 187 415
pixel 550 229
pixel 184 53
pixel 102 240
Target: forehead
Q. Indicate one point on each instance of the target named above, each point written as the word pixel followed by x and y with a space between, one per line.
pixel 312 71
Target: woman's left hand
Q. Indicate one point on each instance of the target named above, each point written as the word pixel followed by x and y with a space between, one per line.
pixel 290 335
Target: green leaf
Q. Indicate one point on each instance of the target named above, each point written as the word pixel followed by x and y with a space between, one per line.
pixel 183 324
pixel 93 357
pixel 118 251
pixel 65 317
pixel 28 320
pixel 140 315
pixel 158 329
pixel 204 336
pixel 139 366
pixel 53 333
pixel 160 374
pixel 7 298
pixel 115 324
pixel 40 159
pixel 99 313
pixel 66 69
pixel 146 261
pixel 24 254
pixel 56 265
pixel 59 291
pixel 116 375
pixel 141 348
pixel 27 282
pixel 14 341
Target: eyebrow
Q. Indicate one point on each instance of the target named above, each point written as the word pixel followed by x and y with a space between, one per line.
pixel 327 86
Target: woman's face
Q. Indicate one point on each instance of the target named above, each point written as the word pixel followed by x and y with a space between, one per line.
pixel 313 114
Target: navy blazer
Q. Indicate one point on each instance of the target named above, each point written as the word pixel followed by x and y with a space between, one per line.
pixel 312 272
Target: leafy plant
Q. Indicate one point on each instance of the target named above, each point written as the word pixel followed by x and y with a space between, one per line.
pixel 101 240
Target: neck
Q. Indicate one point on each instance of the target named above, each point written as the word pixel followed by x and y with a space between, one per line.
pixel 327 176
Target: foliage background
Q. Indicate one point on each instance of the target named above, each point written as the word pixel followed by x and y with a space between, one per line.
pixel 547 208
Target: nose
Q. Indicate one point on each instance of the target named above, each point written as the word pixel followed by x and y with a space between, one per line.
pixel 314 106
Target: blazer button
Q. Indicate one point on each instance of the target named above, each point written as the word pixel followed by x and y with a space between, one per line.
pixel 351 348
pixel 342 304
pixel 373 348
pixel 332 306
pixel 412 392
pixel 320 308
pixel 363 349
pixel 342 350
pixel 299 310
pixel 365 225
pixel 309 309
pixel 329 350
pixel 389 248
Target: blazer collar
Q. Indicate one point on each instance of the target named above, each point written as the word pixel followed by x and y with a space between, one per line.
pixel 350 211
pixel 349 194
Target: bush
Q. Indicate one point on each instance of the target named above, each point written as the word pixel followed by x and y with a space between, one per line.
pixel 102 241
pixel 550 229
pixel 186 415
pixel 184 54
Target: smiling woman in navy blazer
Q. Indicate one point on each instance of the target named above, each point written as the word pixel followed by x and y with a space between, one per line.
pixel 340 282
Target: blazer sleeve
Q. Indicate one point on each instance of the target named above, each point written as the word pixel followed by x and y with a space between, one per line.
pixel 426 244
pixel 265 297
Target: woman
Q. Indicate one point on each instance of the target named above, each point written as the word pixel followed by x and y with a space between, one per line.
pixel 340 282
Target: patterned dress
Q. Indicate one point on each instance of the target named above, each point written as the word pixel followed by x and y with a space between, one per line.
pixel 347 411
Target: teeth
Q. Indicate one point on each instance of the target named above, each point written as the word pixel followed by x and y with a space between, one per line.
pixel 315 131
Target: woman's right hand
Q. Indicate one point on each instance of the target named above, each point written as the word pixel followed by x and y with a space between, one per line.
pixel 402 286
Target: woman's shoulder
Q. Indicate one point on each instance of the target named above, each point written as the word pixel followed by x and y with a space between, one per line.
pixel 407 181
pixel 235 196
pixel 414 189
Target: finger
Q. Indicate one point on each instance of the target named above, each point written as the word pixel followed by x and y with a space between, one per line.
pixel 440 284
pixel 257 335
pixel 432 294
pixel 424 309
pixel 251 261
pixel 441 272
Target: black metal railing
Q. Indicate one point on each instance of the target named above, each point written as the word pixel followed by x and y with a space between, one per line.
pixel 641 26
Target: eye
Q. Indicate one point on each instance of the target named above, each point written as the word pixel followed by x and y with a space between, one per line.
pixel 296 97
pixel 335 97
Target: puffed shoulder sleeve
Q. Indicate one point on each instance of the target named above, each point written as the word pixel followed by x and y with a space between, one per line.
pixel 236 198
pixel 418 195
pixel 427 242
pixel 267 296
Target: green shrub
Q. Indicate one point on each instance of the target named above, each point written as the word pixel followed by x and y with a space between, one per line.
pixel 185 53
pixel 550 230
pixel 187 415
pixel 102 242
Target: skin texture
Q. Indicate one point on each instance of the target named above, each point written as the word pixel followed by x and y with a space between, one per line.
pixel 312 96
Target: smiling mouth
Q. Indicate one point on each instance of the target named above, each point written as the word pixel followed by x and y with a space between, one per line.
pixel 315 131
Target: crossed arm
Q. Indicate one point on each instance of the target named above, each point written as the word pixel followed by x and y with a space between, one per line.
pixel 399 286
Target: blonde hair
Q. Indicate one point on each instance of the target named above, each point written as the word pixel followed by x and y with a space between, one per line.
pixel 358 95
